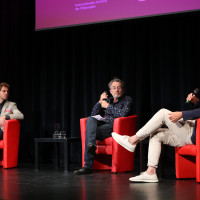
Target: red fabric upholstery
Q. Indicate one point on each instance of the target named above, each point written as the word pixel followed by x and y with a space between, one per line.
pixel 187 159
pixel 109 154
pixel 10 144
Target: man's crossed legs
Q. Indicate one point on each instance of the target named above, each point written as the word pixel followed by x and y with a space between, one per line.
pixel 177 134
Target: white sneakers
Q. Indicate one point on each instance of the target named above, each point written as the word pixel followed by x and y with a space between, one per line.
pixel 123 141
pixel 144 177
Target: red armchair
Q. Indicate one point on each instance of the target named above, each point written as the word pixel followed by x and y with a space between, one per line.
pixel 187 159
pixel 109 154
pixel 10 144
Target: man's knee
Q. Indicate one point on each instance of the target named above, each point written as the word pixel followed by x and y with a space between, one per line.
pixel 163 113
pixel 91 126
pixel 164 110
pixel 91 120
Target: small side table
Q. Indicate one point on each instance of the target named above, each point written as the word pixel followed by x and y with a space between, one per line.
pixel 65 141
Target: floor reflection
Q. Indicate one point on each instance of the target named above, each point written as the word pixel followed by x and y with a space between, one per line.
pixel 145 191
pixel 9 185
pixel 24 183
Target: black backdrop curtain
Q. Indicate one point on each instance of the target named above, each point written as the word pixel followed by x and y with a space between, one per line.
pixel 58 75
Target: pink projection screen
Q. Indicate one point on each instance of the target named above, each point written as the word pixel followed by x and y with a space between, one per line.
pixel 62 13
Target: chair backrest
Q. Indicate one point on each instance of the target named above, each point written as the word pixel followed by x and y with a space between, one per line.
pixel 198 151
pixel 125 125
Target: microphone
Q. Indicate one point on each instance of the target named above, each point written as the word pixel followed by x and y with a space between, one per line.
pixel 105 99
pixel 196 93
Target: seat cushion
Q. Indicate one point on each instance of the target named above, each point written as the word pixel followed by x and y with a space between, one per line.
pixel 187 150
pixel 104 146
pixel 107 141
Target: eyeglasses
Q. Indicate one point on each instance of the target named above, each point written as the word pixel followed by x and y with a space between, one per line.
pixel 116 88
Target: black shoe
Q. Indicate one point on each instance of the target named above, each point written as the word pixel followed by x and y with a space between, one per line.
pixel 83 171
pixel 91 148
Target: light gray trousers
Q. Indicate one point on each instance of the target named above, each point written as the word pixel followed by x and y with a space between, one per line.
pixel 177 134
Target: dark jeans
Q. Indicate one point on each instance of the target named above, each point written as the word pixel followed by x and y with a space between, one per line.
pixel 95 130
pixel 1 134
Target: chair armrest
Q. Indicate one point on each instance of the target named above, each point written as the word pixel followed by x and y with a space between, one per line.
pixel 11 130
pixel 83 125
pixel 83 136
pixel 198 140
pixel 123 160
pixel 125 125
pixel 198 133
pixel 11 143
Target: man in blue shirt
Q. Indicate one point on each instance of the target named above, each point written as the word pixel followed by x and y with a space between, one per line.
pixel 100 124
pixel 181 131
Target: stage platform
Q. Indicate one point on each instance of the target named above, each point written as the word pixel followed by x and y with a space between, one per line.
pixel 24 183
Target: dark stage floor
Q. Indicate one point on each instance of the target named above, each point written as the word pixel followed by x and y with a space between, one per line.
pixel 25 183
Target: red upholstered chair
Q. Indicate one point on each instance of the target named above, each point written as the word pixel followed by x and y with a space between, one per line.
pixel 187 159
pixel 109 154
pixel 10 144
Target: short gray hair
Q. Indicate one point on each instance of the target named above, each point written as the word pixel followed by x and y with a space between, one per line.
pixel 115 79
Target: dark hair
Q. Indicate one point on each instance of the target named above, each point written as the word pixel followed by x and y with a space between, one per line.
pixel 4 85
pixel 115 79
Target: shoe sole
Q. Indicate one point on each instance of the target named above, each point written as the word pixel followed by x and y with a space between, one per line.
pixel 119 142
pixel 145 181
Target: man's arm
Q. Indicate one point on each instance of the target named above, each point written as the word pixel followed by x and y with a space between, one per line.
pixel 192 98
pixel 191 114
pixel 2 121
pixel 186 115
pixel 97 109
pixel 175 116
pixel 192 102
pixel 15 113
pixel 120 112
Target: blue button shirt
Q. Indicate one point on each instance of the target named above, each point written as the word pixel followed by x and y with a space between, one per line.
pixel 122 108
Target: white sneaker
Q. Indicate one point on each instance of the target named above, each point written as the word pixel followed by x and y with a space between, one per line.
pixel 123 140
pixel 144 177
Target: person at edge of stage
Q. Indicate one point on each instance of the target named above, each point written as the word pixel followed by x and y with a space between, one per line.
pixel 8 109
pixel 181 131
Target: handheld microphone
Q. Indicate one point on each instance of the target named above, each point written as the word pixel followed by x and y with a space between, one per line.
pixel 105 99
pixel 196 93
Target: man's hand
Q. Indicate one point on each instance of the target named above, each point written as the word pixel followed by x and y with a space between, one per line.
pixel 175 116
pixel 2 121
pixel 104 104
pixel 103 96
pixel 192 98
